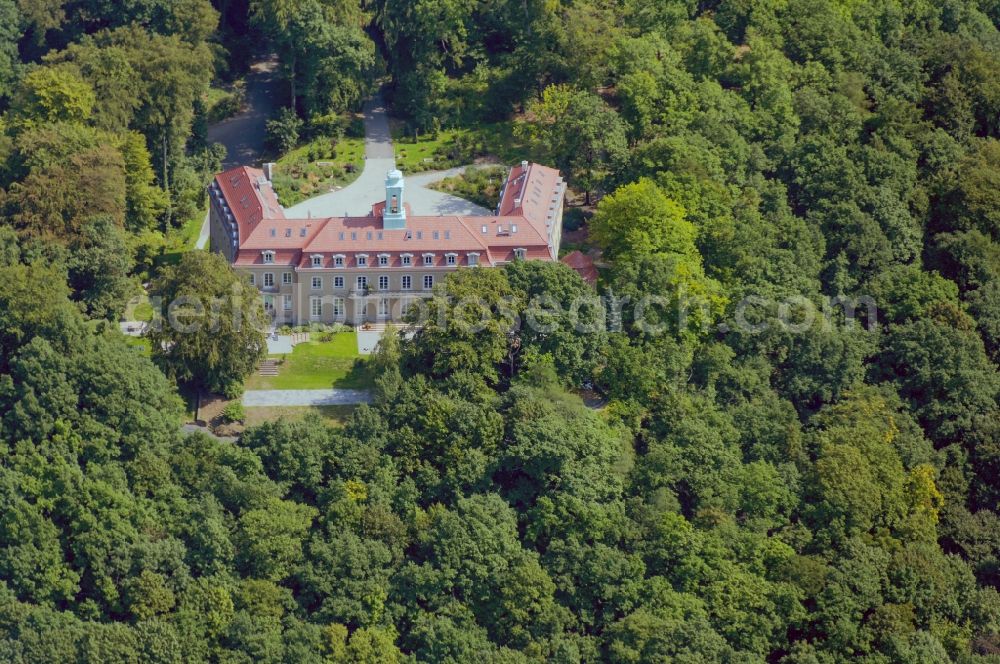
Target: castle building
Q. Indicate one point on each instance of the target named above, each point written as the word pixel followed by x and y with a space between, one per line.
pixel 375 267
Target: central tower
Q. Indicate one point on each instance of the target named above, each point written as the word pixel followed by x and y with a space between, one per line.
pixel 394 215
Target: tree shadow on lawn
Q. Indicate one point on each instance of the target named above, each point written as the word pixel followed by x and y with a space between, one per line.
pixel 358 378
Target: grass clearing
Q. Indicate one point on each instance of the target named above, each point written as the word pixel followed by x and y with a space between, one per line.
pixel 317 365
pixel 334 415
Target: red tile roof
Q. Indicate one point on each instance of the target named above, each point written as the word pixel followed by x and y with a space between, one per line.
pixel 522 223
pixel 583 264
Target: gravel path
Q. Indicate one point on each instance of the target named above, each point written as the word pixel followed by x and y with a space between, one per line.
pixel 331 397
pixel 244 133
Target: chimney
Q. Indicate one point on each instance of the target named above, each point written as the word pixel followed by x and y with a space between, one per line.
pixel 269 170
pixel 524 164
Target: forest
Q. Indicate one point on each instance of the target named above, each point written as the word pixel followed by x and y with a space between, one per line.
pixel 706 492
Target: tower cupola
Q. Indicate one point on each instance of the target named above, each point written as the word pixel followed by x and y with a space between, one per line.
pixel 394 216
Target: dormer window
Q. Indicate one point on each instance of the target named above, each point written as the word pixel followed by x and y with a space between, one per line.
pixel 451 259
pixel 428 259
pixel 447 235
pixel 317 260
pixel 340 236
pixel 520 254
pixel 274 232
pixel 485 229
pixel 303 231
pixel 473 258
pixel 513 228
pixel 362 260
pixel 420 235
pixel 268 256
pixel 383 260
pixel 338 260
pixel 288 232
pixel 435 235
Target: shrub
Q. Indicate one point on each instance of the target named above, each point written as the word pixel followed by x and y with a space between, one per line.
pixel 573 219
pixel 283 131
pixel 331 126
pixel 233 412
pixel 356 128
pixel 233 390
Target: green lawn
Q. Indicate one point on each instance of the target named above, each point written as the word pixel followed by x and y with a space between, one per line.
pixel 317 167
pixel 317 365
pixel 335 415
pixel 181 240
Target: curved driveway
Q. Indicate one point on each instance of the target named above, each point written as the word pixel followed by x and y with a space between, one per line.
pixel 243 136
pixel 356 199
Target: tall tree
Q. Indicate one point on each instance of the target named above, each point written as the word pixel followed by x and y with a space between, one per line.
pixel 211 330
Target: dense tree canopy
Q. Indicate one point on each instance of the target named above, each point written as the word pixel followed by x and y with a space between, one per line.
pixel 771 434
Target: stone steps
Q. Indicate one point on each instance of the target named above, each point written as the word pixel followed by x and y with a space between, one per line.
pixel 268 368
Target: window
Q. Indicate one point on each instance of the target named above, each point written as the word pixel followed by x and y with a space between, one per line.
pixel 380 235
pixel 317 283
pixel 286 302
pixel 428 281
pixel 520 254
pixel 274 232
pixel 406 282
pixel 383 307
pixel 513 228
pixel 447 235
pixel 286 277
pixel 383 282
pixel 269 280
pixel 473 259
pixel 428 259
pixel 420 235
pixel 354 235
pixel 409 234
pixel 338 283
pixel 368 235
pixel 451 258
pixel 315 307
pixel 362 283
pixel 338 260
pixel 288 232
pixel 436 235
pixel 340 236
pixel 362 260
pixel 484 229
pixel 253 281
pixel 338 307
pixel 268 256
pixel 317 261
pixel 407 259
pixel 383 260
pixel 404 307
